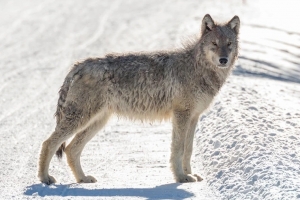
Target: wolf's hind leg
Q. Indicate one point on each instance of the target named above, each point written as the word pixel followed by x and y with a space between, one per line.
pixel 48 149
pixel 74 149
pixel 71 121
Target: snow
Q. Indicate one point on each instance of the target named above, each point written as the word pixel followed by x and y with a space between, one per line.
pixel 251 147
pixel 246 145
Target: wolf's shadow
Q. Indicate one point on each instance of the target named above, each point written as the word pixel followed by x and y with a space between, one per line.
pixel 168 191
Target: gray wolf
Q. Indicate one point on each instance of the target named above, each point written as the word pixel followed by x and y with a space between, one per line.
pixel 178 84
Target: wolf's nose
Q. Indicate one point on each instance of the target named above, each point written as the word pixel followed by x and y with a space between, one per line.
pixel 223 61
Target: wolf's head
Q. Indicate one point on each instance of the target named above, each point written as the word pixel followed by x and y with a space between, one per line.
pixel 219 43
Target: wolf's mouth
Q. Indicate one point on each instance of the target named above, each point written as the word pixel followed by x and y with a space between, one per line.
pixel 222 66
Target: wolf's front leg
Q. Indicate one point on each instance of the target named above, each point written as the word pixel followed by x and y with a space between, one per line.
pixel 181 121
pixel 188 148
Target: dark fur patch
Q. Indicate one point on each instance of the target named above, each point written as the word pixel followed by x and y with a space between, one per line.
pixel 61 149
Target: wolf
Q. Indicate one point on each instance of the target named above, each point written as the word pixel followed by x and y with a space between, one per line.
pixel 178 84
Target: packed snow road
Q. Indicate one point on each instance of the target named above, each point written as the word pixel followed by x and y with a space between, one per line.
pixel 246 145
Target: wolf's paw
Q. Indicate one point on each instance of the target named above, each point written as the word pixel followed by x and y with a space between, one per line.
pixel 48 180
pixel 88 179
pixel 198 177
pixel 186 178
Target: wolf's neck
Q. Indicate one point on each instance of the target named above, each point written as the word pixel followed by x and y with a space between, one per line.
pixel 200 68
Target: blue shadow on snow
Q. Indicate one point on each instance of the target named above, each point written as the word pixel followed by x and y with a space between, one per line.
pixel 168 191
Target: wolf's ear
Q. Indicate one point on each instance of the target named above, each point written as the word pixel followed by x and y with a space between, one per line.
pixel 234 24
pixel 207 24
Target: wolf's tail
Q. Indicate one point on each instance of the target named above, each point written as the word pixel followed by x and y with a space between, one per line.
pixel 63 92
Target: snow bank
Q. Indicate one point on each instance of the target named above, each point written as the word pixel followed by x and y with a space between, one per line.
pixel 249 141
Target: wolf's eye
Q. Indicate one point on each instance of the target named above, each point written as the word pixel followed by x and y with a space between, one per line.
pixel 214 43
pixel 229 43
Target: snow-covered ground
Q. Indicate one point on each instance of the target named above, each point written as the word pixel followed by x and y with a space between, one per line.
pixel 247 146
